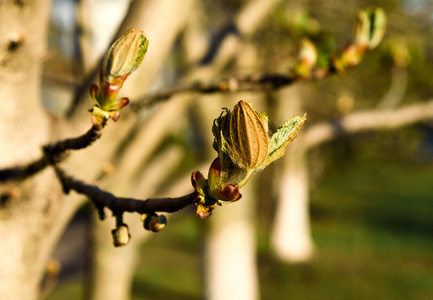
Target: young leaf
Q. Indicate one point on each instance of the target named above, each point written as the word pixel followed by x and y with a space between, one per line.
pixel 280 139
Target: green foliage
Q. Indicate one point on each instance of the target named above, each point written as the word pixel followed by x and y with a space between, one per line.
pixel 281 139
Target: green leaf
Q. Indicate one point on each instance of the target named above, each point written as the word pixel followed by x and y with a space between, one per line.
pixel 280 139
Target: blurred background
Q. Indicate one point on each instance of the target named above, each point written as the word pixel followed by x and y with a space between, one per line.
pixel 346 214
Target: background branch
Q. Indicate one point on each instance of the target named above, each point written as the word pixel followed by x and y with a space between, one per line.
pixel 248 83
pixel 366 120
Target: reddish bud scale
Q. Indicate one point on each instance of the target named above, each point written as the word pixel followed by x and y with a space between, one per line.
pixel 110 90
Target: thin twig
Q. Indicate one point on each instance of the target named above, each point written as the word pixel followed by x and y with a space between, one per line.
pixel 102 198
pixel 80 142
pixel 255 82
pixel 53 153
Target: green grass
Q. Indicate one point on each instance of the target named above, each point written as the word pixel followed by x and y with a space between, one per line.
pixel 372 224
pixel 70 290
pixel 170 264
pixel 373 229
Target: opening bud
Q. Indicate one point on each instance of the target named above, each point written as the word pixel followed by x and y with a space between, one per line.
pixel 307 58
pixel 243 146
pixel 125 55
pixel 370 27
pixel 242 135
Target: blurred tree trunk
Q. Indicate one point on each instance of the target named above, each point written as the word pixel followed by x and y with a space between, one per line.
pixel 230 254
pixel 29 210
pixel 230 258
pixel 291 239
pixel 113 268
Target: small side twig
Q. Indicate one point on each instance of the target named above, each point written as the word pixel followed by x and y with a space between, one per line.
pixel 255 82
pixel 77 143
pixel 101 198
pixel 53 153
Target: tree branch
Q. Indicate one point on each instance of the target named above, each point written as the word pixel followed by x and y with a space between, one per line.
pixel 367 120
pixel 53 153
pixel 102 198
pixel 77 143
pixel 255 82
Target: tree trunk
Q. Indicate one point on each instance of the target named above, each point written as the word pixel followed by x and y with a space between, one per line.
pixel 29 209
pixel 230 258
pixel 113 268
pixel 291 239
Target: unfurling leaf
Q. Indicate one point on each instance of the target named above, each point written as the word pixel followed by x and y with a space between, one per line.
pixel 370 27
pixel 244 147
pixel 281 139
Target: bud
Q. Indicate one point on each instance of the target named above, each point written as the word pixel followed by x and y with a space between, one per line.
pixel 243 136
pixel 125 55
pixel 205 204
pixel 217 188
pixel 370 27
pixel 154 223
pixel 212 192
pixel 204 210
pixel 243 147
pixel 307 58
pixel 121 235
pixel 243 144
pixel 351 56
pixel 337 66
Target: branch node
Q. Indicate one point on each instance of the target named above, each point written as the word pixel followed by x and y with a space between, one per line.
pixel 62 178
